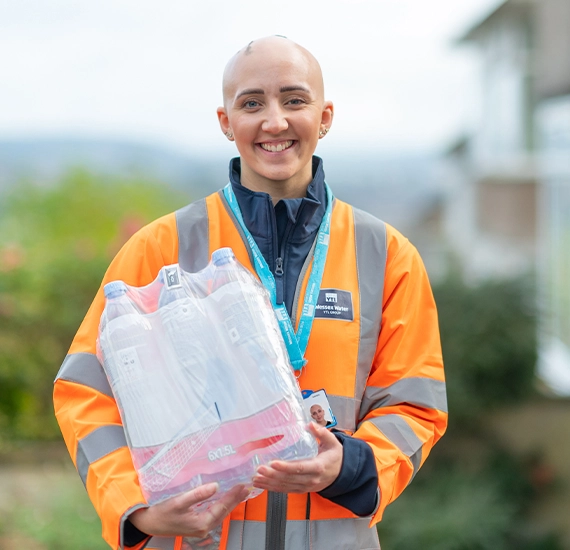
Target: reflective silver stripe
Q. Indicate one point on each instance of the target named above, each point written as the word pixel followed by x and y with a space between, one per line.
pixel 96 445
pixel 340 534
pixel 332 534
pixel 84 368
pixel 416 460
pixel 344 408
pixel 423 392
pixel 161 543
pixel 235 535
pixel 232 216
pixel 399 432
pixel 371 255
pixel 193 238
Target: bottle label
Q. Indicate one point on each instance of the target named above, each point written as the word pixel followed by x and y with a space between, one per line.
pixel 130 364
pixel 172 276
pixel 221 452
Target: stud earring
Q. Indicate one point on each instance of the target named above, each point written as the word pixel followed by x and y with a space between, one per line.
pixel 229 135
pixel 323 132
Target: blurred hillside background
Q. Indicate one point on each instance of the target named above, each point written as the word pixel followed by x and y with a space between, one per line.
pixel 452 123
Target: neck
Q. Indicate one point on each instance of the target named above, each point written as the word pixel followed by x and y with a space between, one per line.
pixel 291 188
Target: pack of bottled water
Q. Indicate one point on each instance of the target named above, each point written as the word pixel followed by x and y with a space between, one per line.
pixel 202 378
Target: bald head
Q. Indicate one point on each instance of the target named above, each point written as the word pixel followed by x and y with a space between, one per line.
pixel 266 55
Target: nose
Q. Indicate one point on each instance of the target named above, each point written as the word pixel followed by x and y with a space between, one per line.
pixel 275 120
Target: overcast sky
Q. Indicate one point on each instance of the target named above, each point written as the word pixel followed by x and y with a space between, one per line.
pixel 151 71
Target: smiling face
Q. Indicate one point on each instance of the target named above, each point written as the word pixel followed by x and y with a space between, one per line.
pixel 274 109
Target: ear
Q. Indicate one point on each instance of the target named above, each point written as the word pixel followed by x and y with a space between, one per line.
pixel 223 119
pixel 327 114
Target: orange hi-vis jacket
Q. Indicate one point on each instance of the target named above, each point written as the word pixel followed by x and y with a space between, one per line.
pixel 382 372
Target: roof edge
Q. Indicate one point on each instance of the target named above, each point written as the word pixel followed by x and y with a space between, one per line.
pixel 504 7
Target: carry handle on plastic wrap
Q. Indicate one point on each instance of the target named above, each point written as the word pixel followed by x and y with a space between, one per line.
pixel 202 378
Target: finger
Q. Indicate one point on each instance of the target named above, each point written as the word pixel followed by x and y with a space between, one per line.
pixel 280 469
pixel 200 494
pixel 284 479
pixel 222 507
pixel 235 495
pixel 283 486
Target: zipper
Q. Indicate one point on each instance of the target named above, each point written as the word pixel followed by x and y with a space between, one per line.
pixel 279 261
pixel 275 521
pixel 279 280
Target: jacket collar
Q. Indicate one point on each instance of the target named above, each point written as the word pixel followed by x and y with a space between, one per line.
pixel 306 213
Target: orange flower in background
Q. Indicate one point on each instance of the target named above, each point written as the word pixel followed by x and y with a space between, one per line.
pixel 12 257
pixel 128 227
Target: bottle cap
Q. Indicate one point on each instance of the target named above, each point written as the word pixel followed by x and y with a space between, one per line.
pixel 115 289
pixel 222 256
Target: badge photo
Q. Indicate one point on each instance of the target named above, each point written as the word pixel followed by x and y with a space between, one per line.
pixel 316 404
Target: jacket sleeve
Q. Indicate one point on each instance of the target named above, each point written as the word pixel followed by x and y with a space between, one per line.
pixel 404 408
pixel 84 405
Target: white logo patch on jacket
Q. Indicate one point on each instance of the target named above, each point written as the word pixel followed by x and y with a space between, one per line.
pixel 334 304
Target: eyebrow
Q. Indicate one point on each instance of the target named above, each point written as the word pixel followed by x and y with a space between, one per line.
pixel 283 89
pixel 294 89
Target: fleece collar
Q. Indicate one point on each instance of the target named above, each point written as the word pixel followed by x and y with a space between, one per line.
pixel 258 213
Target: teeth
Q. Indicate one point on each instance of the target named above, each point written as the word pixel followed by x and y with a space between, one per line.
pixel 278 147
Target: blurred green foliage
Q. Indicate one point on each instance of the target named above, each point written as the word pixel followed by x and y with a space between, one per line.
pixel 59 517
pixel 489 345
pixel 55 244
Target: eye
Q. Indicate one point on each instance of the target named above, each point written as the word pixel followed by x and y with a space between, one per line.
pixel 251 104
pixel 296 101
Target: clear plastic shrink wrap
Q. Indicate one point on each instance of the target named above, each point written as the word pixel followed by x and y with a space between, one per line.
pixel 202 378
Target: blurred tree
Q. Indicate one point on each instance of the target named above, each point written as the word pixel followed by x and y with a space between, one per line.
pixel 472 493
pixel 489 342
pixel 55 244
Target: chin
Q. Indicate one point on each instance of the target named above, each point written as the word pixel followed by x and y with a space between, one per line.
pixel 278 175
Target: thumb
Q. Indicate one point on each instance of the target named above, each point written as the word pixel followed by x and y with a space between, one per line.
pixel 324 435
pixel 199 494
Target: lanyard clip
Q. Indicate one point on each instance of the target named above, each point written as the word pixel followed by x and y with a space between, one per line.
pixel 298 367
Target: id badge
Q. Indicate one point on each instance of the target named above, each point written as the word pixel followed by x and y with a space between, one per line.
pixel 317 405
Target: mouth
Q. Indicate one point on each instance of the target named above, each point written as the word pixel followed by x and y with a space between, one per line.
pixel 277 147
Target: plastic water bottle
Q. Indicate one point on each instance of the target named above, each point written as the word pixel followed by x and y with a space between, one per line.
pixel 133 364
pixel 121 322
pixel 249 321
pixel 253 337
pixel 188 330
pixel 239 299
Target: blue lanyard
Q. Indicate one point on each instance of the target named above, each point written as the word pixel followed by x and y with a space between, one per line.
pixel 296 343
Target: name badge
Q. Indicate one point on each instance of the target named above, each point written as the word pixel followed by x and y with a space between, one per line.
pixel 334 304
pixel 317 405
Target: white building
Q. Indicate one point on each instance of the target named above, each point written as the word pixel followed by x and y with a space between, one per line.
pixel 507 207
pixel 553 131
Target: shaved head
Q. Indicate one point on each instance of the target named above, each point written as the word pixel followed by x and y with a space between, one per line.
pixel 264 51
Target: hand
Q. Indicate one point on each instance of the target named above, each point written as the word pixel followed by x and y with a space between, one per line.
pixel 177 517
pixel 304 476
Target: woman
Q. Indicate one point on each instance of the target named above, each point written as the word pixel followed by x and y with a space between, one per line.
pixel 338 275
